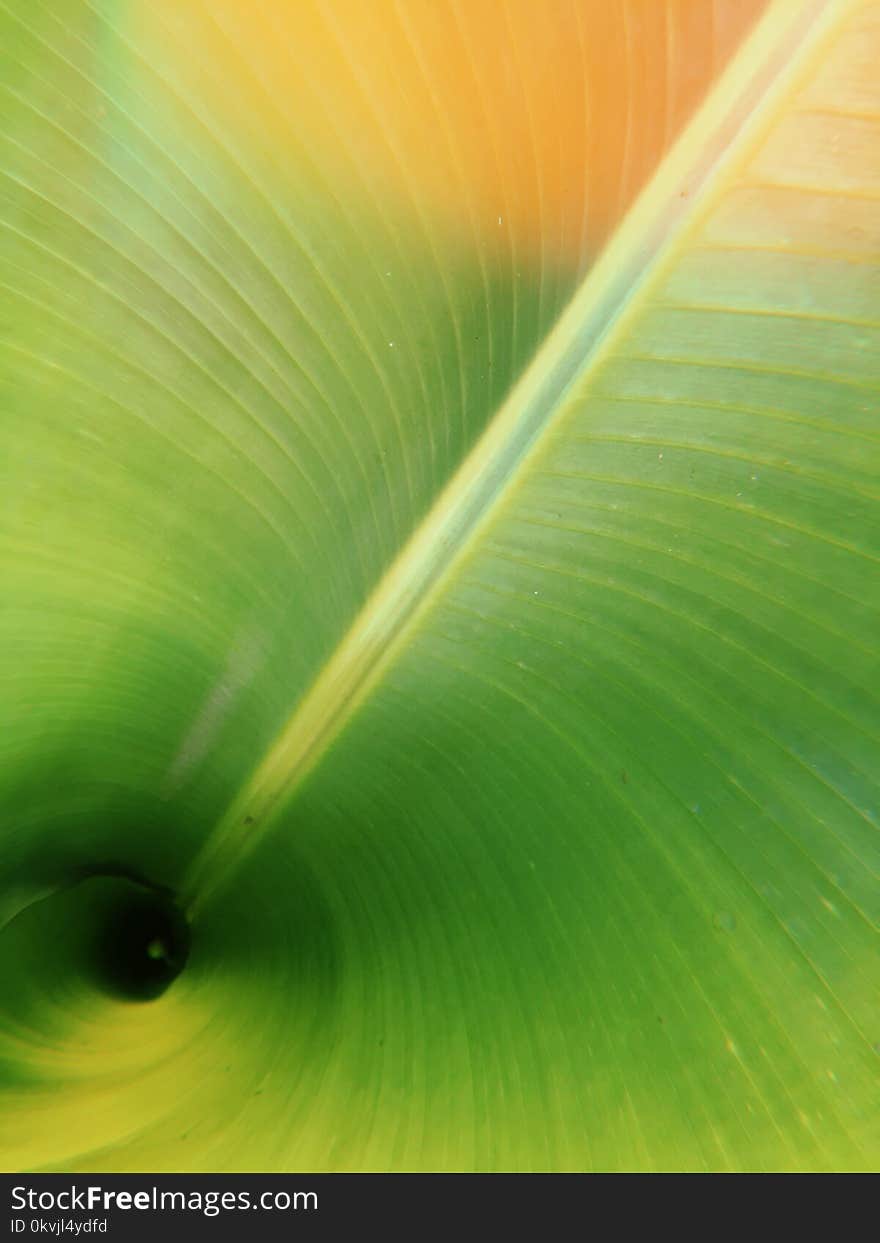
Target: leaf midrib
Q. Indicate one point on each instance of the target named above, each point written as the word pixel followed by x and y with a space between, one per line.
pixel 762 72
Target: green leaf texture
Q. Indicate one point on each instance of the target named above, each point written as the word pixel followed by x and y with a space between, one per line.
pixel 488 656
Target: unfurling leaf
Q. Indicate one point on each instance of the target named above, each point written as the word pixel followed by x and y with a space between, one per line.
pixel 439 540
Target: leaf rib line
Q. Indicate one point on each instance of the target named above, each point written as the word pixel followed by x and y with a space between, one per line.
pixel 601 311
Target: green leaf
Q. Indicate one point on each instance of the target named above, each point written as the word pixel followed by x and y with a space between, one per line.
pixel 496 683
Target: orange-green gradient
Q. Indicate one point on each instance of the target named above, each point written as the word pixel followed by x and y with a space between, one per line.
pixel 513 125
pixel 439 530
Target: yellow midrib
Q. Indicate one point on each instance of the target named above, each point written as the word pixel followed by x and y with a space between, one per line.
pixel 772 57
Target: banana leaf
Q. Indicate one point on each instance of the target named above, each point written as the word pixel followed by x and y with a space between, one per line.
pixel 439 592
